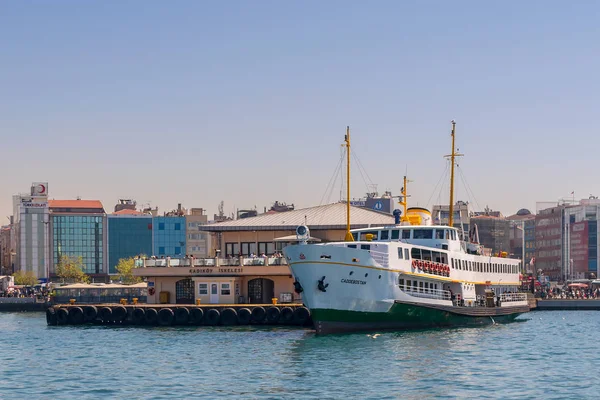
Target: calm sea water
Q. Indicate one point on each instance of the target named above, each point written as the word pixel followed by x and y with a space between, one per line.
pixel 550 355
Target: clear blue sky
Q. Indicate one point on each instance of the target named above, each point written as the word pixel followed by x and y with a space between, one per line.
pixel 247 102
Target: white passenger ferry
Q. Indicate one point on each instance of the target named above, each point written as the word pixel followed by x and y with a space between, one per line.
pixel 409 275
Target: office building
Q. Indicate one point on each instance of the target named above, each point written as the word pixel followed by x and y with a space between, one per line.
pixel 78 228
pixel 30 213
pixel 129 235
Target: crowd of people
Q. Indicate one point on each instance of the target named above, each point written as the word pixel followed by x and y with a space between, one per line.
pixel 579 293
pixel 25 291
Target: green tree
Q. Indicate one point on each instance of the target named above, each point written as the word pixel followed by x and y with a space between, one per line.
pixel 25 278
pixel 70 269
pixel 125 269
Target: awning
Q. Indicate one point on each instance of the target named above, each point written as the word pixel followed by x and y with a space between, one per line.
pixel 578 285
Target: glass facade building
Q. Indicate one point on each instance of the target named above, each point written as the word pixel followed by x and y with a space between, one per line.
pixel 128 236
pixel 79 235
pixel 169 236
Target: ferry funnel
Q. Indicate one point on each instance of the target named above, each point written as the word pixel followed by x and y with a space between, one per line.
pixel 418 216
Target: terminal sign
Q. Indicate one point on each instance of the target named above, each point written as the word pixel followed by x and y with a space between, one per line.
pixel 220 270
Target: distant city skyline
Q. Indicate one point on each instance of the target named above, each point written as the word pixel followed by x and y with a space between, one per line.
pixel 195 103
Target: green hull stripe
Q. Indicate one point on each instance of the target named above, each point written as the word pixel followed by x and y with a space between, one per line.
pixel 405 314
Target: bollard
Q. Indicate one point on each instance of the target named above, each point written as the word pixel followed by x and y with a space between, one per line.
pixel 274 300
pixel 135 299
pixel 197 302
pixel 123 301
pixel 72 301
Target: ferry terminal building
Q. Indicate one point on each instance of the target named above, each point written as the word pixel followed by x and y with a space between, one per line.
pixel 246 266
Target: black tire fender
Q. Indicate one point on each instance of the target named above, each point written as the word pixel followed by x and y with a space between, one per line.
pixel 151 316
pixel 273 314
pixel 244 316
pixel 229 317
pixel 301 315
pixel 197 315
pixel 51 316
pixel 76 315
pixel 106 314
pixel 90 313
pixel 212 317
pixel 258 314
pixel 119 314
pixel 62 316
pixel 138 316
pixel 182 316
pixel 165 317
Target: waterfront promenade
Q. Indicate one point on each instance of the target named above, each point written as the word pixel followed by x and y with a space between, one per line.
pixel 568 304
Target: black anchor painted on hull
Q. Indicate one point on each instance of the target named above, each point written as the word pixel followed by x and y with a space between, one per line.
pixel 298 287
pixel 321 285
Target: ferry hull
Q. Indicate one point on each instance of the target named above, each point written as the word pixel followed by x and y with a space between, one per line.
pixel 405 316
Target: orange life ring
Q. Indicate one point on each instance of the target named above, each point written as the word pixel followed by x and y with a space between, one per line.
pixel 420 264
pixel 414 264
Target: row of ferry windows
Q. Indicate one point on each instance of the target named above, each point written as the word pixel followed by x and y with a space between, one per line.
pixel 402 253
pixel 478 266
pixel 413 285
pixel 396 234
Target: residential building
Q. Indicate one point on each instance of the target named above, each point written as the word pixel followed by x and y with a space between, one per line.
pixel 549 226
pixel 7 249
pixel 125 204
pixel 198 242
pixel 30 212
pixel 461 219
pixel 522 236
pixel 78 228
pixel 493 230
pixel 129 235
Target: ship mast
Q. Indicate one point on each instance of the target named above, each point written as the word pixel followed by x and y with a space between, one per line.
pixel 404 201
pixel 452 156
pixel 349 237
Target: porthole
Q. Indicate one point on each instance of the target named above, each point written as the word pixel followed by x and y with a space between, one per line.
pixel 366 275
pixel 351 272
pixel 379 276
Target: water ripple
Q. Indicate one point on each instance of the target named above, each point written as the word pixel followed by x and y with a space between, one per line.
pixel 542 357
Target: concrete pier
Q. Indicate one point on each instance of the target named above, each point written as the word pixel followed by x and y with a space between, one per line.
pixel 568 304
pixel 179 314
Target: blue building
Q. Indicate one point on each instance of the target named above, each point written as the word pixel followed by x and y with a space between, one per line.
pixel 129 235
pixel 169 236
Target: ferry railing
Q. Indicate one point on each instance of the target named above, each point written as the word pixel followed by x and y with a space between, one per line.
pixel 426 293
pixel 211 262
pixel 229 262
pixel 253 261
pixel 508 297
pixel 277 261
pixel 201 262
